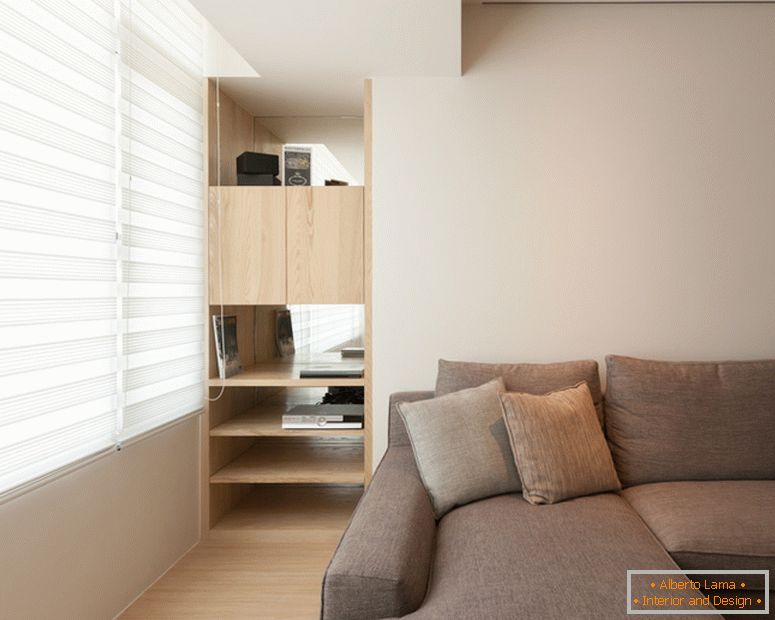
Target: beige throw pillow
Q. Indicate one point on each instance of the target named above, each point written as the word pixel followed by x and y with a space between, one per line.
pixel 461 446
pixel 558 445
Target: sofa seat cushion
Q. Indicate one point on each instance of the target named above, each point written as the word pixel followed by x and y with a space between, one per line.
pixel 503 558
pixel 725 524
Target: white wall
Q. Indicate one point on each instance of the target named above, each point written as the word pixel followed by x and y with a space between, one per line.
pixel 601 180
pixel 83 546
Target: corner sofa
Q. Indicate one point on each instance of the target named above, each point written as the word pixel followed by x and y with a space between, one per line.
pixel 694 448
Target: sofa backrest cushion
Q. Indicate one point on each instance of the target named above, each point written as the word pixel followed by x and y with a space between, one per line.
pixel 530 378
pixel 690 420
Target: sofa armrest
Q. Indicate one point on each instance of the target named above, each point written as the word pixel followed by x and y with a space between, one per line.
pixel 397 435
pixel 380 568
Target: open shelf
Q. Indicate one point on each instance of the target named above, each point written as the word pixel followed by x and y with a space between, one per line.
pixel 303 463
pixel 278 509
pixel 266 421
pixel 282 373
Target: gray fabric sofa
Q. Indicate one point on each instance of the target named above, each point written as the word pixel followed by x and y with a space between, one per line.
pixel 699 494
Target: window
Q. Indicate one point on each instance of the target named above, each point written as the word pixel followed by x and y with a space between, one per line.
pixel 318 328
pixel 100 226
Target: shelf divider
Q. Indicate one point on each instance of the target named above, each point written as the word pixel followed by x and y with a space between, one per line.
pixel 289 463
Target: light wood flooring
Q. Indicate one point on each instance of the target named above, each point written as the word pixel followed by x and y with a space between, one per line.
pixel 263 560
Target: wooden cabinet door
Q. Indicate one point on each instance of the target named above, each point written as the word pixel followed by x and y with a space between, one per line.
pixel 252 230
pixel 325 245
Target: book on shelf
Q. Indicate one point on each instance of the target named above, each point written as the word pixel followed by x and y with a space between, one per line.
pixel 225 333
pixel 352 352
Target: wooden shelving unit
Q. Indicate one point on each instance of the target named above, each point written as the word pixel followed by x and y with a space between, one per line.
pixel 269 247
pixel 246 444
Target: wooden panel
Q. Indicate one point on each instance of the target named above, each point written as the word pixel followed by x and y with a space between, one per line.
pixel 290 462
pixel 225 450
pixel 325 245
pixel 252 227
pixel 289 396
pixel 368 399
pixel 220 452
pixel 282 512
pixel 264 141
pixel 204 420
pixel 236 136
pixel 223 499
pixel 264 337
pixel 265 559
pixel 231 402
pixel 266 421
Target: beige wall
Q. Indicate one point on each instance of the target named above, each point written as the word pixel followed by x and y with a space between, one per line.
pixel 600 180
pixel 83 546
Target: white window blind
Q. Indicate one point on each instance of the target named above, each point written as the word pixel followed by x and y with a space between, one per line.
pixel 99 339
pixel 318 328
pixel 161 215
pixel 58 329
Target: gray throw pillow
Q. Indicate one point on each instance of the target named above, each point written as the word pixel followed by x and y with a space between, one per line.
pixel 461 446
pixel 558 445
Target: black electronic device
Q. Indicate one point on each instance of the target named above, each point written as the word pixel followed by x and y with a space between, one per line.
pixel 258 163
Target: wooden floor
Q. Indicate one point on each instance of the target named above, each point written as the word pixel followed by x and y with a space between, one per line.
pixel 265 559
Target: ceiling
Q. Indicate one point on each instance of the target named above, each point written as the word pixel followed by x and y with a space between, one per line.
pixel 313 55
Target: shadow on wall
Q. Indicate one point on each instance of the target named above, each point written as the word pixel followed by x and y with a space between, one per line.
pixel 475 46
pixel 512 29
